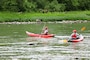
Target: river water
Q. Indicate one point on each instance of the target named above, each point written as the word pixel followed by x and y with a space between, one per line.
pixel 18 46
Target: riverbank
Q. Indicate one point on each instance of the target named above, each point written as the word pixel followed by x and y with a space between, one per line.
pixel 45 17
pixel 39 22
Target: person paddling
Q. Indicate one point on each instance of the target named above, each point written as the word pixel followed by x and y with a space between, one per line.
pixel 45 31
pixel 74 35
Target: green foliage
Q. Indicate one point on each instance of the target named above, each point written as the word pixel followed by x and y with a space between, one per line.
pixel 84 4
pixel 44 5
pixel 9 5
pixel 29 6
pixel 50 16
pixel 55 6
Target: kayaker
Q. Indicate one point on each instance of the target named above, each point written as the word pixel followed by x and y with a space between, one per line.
pixel 74 35
pixel 45 31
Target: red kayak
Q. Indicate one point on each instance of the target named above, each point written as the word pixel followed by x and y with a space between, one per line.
pixel 77 40
pixel 39 35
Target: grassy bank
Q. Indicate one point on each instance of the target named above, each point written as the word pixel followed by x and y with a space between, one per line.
pixel 54 16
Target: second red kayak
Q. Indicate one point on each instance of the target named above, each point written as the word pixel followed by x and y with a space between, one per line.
pixel 39 35
pixel 77 40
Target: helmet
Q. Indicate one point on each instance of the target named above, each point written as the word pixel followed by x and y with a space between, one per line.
pixel 74 31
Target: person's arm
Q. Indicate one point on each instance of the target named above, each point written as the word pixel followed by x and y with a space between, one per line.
pixel 77 35
pixel 70 36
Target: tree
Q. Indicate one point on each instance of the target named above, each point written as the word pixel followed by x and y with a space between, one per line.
pixel 8 5
pixel 84 4
pixel 45 5
pixel 30 6
pixel 20 4
pixel 55 6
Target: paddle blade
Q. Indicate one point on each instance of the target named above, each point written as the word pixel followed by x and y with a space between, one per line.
pixel 62 41
pixel 83 28
pixel 65 41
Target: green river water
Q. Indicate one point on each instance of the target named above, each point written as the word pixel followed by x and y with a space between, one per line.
pixel 16 45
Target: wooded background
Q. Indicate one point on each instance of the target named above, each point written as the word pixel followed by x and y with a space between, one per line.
pixel 44 5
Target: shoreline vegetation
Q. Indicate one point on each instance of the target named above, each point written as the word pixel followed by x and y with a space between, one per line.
pixel 15 17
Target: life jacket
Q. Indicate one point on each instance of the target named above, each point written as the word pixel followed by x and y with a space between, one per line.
pixel 46 32
pixel 74 36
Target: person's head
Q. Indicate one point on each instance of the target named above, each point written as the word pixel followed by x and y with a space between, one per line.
pixel 74 31
pixel 46 27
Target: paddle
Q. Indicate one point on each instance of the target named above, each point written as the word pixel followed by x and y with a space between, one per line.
pixel 43 28
pixel 83 28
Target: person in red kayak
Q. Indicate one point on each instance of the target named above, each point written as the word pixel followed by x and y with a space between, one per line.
pixel 74 35
pixel 45 31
